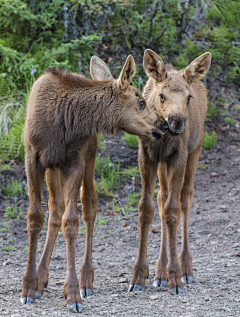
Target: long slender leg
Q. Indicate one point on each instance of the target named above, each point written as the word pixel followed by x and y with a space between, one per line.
pixel 72 178
pixel 146 212
pixel 172 216
pixel 56 210
pixel 185 257
pixel 35 217
pixel 89 211
pixel 160 278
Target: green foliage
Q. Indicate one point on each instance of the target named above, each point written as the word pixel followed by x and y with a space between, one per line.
pixel 201 166
pixel 230 121
pixel 133 199
pixel 130 172
pixel 12 117
pixel 12 187
pixel 108 172
pixel 209 140
pixel 33 40
pixel 213 110
pixel 131 140
pixel 101 146
pixel 5 167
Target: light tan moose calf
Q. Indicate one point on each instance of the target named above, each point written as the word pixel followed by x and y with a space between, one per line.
pixel 181 99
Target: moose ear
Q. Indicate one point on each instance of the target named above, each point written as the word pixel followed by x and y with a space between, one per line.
pixel 198 68
pixel 99 70
pixel 126 74
pixel 154 66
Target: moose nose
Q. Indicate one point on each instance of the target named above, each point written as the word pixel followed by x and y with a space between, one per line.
pixel 177 122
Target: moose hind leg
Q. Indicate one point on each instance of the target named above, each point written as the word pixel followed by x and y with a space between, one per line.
pixel 72 178
pixel 185 257
pixel 146 213
pixel 89 211
pixel 56 210
pixel 35 217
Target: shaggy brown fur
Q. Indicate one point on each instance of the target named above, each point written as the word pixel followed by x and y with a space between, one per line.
pixel 63 115
pixel 181 99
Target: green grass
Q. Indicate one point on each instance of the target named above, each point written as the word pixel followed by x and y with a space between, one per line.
pixel 131 140
pixel 230 121
pixel 5 167
pixel 100 144
pixel 133 199
pixel 213 110
pixel 130 172
pixel 201 166
pixel 12 187
pixel 209 140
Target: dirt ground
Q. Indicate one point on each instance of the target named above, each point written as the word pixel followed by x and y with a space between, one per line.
pixel 214 241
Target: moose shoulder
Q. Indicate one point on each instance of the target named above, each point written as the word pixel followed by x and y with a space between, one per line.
pixel 181 99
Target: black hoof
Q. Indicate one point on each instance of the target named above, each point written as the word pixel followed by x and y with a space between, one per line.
pixel 191 280
pixel 162 284
pixel 176 291
pixel 86 293
pixel 156 283
pixel 130 288
pixel 188 280
pixel 37 295
pixel 138 287
pixel 75 308
pixel 30 300
pixel 23 300
pixel 89 292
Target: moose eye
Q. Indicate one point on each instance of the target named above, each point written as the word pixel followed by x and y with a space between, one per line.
pixel 142 105
pixel 188 100
pixel 161 98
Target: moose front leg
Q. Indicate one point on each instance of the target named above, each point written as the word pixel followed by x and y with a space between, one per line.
pixel 146 212
pixel 172 216
pixel 89 211
pixel 185 257
pixel 160 278
pixel 72 179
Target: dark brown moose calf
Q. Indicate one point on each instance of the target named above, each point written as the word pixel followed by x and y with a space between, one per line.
pixel 181 99
pixel 63 115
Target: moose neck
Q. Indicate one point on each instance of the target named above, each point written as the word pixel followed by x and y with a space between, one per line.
pixel 92 110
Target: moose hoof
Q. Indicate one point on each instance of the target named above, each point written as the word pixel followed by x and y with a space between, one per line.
pixel 157 283
pixel 175 291
pixel 75 308
pixel 188 280
pixel 25 300
pixel 37 295
pixel 86 293
pixel 135 287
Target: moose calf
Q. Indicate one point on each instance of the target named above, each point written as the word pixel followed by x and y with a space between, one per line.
pixel 64 113
pixel 181 99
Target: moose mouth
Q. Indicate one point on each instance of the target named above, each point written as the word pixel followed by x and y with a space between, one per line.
pixel 175 132
pixel 156 135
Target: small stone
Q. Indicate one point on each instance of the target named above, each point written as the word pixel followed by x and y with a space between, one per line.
pixel 154 297
pixel 6 263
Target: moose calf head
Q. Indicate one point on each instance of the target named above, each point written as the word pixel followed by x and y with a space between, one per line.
pixel 134 116
pixel 172 94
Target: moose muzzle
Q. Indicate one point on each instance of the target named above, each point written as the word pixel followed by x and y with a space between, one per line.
pixel 161 126
pixel 176 123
